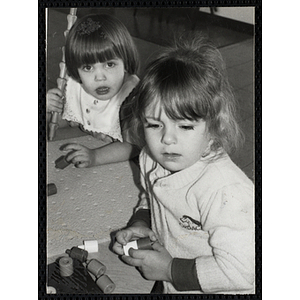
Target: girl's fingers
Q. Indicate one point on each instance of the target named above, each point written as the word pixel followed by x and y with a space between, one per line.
pixel 157 246
pixel 137 254
pixel 58 99
pixel 56 91
pixel 73 124
pixel 73 157
pixel 123 237
pixel 118 248
pixel 80 164
pixel 56 105
pixel 80 161
pixel 73 146
pixel 132 261
pixel 77 158
pixel 54 97
pixel 55 109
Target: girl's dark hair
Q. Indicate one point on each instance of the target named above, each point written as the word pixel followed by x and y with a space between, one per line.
pixel 99 38
pixel 189 81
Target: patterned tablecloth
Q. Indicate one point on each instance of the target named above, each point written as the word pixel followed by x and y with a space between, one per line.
pixel 90 203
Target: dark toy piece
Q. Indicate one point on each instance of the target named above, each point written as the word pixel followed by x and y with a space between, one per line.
pixel 78 253
pixel 61 163
pixel 145 244
pixel 51 189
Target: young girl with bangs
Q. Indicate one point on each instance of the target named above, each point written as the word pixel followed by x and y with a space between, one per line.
pixel 197 205
pixel 102 62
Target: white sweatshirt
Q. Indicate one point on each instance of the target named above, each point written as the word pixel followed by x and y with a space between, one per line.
pixel 204 215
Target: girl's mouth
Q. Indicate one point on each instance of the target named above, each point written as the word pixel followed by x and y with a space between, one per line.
pixel 171 156
pixel 102 90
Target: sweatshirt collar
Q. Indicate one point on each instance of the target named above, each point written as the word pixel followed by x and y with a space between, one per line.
pixel 177 180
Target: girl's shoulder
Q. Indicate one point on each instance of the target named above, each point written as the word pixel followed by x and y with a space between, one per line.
pixel 130 82
pixel 132 79
pixel 222 172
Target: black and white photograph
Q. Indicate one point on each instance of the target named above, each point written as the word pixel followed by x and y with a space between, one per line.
pixel 150 151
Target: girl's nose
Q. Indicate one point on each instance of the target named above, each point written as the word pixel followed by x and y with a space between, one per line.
pixel 169 136
pixel 100 76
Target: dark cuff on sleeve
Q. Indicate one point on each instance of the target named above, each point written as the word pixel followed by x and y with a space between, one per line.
pixel 141 215
pixel 184 275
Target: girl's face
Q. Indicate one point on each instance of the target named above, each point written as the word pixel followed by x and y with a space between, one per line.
pixel 102 80
pixel 176 145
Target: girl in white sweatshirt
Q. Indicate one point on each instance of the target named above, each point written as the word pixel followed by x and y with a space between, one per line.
pixel 197 205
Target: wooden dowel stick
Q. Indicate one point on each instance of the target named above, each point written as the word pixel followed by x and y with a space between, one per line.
pixel 61 81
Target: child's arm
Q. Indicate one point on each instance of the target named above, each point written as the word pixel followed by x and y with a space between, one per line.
pixel 83 157
pixel 228 218
pixel 229 222
pixel 157 264
pixel 154 265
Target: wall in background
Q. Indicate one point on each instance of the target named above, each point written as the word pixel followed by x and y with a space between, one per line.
pixel 242 14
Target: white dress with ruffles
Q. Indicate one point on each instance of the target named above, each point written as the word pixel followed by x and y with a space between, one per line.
pixel 96 115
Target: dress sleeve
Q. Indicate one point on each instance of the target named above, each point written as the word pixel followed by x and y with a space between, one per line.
pixel 229 220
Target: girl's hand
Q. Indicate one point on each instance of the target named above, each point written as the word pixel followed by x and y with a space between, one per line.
pixel 55 100
pixel 73 124
pixel 129 234
pixel 153 264
pixel 80 156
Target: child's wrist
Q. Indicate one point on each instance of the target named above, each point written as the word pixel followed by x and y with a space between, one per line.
pixel 169 273
pixel 98 157
pixel 93 157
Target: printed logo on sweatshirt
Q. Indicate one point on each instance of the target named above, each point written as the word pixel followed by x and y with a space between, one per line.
pixel 190 223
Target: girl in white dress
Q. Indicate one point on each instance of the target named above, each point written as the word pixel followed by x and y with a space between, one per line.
pixel 101 61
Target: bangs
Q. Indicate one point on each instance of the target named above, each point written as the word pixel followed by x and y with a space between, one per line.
pixel 90 51
pixel 176 88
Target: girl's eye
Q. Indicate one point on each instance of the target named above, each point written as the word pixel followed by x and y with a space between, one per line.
pixel 152 125
pixel 110 64
pixel 187 127
pixel 87 68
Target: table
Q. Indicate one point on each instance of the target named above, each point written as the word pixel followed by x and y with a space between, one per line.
pixel 91 204
pixel 126 278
